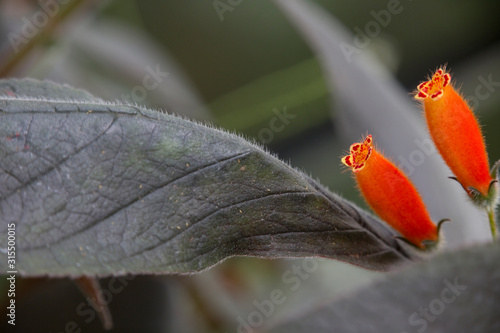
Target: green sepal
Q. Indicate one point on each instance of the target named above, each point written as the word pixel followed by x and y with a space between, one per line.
pixel 428 244
pixel 477 197
pixel 440 223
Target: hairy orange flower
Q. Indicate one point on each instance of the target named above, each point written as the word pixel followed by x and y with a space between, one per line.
pixel 456 134
pixel 390 193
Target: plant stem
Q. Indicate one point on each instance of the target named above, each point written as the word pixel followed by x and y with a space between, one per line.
pixel 491 218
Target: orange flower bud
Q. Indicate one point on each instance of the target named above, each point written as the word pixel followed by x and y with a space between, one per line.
pixel 456 134
pixel 390 193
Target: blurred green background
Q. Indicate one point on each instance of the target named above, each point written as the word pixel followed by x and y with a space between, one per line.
pixel 237 65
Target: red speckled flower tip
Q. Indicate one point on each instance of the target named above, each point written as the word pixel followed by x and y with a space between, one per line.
pixel 457 135
pixel 390 194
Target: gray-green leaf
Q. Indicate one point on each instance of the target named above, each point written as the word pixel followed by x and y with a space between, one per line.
pixel 453 292
pixel 101 189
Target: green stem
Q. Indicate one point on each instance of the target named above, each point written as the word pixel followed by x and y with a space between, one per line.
pixel 491 218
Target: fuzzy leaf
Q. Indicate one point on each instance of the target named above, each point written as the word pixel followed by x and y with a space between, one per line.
pixel 453 292
pixel 97 188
